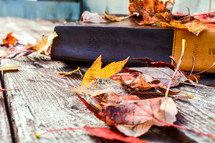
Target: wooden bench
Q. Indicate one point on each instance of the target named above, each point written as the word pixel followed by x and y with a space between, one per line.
pixel 42 103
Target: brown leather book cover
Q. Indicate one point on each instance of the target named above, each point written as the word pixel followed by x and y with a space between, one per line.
pixel 84 42
pixel 201 47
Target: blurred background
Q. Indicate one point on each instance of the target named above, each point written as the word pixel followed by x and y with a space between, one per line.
pixel 72 9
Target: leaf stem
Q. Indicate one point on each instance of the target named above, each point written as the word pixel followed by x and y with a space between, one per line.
pixel 205 69
pixel 56 130
pixel 193 66
pixel 177 68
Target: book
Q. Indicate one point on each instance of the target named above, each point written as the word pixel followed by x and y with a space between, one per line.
pixel 115 41
pixel 199 50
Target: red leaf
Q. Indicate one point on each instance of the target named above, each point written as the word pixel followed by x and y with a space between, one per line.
pixel 90 107
pixel 135 117
pixel 111 134
pixel 151 63
pixel 117 98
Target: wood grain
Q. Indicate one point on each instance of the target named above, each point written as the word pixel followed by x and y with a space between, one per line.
pixel 5 135
pixel 43 103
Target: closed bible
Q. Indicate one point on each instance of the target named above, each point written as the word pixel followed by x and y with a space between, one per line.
pixel 84 42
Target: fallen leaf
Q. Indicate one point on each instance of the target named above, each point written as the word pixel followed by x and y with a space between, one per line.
pixel 142 84
pixel 17 51
pixel 9 40
pixel 68 73
pixel 101 86
pixel 195 27
pixel 151 63
pixel 96 70
pixel 92 17
pixel 134 118
pixel 105 133
pixel 163 74
pixel 162 88
pixel 117 98
pixel 111 134
pixel 151 10
pixel 9 67
pixel 45 44
pixel 114 18
pixel 172 24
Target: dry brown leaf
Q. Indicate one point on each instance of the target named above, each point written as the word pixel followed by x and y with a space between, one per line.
pixel 92 17
pixel 45 44
pixel 164 75
pixel 135 117
pixel 114 18
pixel 142 84
pixel 96 70
pixel 195 27
pixel 151 10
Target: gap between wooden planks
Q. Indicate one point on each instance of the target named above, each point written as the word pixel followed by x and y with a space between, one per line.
pixel 5 133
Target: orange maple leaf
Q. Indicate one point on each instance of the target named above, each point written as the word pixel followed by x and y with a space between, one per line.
pixel 151 10
pixel 9 40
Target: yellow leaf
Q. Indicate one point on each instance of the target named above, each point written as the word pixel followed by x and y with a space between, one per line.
pixel 45 44
pixel 9 67
pixel 96 70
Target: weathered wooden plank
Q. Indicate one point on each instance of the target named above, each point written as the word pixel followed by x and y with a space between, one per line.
pixel 197 113
pixel 39 98
pixel 43 103
pixel 5 134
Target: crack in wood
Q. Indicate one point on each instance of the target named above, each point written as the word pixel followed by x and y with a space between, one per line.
pixel 7 108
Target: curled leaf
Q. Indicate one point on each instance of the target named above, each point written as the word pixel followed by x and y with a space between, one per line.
pixel 45 44
pixel 92 17
pixel 114 18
